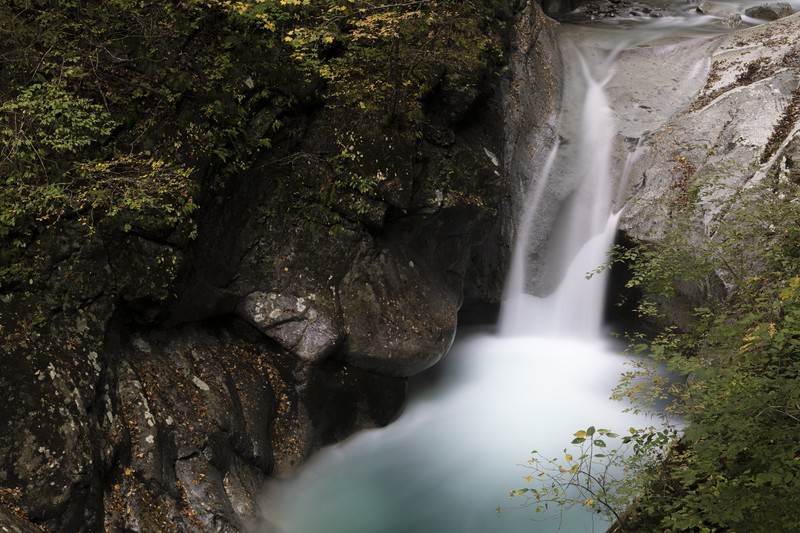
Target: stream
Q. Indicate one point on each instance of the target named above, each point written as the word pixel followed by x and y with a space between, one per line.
pixel 448 463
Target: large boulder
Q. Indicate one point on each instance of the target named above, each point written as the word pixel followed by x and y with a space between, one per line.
pixel 772 11
pixel 294 321
pixel 396 323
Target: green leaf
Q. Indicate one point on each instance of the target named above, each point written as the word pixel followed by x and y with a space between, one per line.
pixel 600 443
pixel 590 431
pixel 578 440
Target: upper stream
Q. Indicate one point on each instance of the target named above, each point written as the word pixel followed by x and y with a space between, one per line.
pixel 448 463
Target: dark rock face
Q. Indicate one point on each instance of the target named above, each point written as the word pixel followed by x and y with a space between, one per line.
pixel 154 381
pixel 189 414
pixel 116 424
pixel 52 365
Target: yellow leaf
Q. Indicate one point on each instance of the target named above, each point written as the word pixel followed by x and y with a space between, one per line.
pixel 568 457
pixel 589 502
pixel 791 290
pixel 580 434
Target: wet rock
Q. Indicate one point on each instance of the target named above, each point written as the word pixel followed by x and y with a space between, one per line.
pixel 772 11
pixel 532 92
pixel 363 400
pixel 721 10
pixel 733 21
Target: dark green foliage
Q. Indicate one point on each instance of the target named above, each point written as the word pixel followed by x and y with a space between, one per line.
pixel 114 111
pixel 87 88
pixel 737 465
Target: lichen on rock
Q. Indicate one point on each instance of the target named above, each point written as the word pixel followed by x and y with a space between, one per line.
pixel 297 323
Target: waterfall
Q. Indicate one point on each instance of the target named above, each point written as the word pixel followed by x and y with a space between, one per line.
pixel 575 308
pixel 448 464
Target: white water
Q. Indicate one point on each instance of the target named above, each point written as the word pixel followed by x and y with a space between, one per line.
pixel 449 462
pixel 451 459
pixel 575 309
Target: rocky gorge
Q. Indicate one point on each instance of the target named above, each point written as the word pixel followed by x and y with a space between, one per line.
pixel 155 381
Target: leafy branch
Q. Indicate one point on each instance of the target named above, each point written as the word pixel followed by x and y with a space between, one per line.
pixel 595 475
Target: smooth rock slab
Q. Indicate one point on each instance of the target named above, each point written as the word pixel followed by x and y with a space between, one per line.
pixel 717 144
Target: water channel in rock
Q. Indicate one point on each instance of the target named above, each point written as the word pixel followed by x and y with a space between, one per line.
pixel 448 463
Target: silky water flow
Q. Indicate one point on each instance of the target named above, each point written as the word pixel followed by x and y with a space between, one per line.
pixel 448 463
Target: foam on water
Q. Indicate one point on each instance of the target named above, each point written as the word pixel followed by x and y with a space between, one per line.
pixel 452 458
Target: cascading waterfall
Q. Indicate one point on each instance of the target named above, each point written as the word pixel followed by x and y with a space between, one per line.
pixel 512 312
pixel 448 464
pixel 575 307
